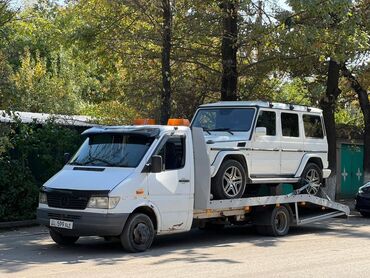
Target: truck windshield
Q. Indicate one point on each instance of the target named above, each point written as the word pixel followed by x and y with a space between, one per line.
pixel 224 119
pixel 115 150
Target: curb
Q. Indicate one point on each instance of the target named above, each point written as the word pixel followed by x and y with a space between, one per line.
pixel 17 224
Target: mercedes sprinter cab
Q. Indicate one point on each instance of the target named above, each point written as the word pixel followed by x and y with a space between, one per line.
pixel 123 174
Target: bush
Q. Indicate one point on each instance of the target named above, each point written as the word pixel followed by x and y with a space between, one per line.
pixel 31 155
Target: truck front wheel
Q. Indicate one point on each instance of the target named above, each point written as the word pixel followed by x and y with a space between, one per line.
pixel 229 182
pixel 61 239
pixel 138 233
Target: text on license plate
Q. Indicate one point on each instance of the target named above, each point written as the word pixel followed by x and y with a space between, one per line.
pixel 61 224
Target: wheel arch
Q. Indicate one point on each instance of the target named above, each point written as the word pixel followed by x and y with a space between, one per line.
pixel 151 212
pixel 309 158
pixel 225 155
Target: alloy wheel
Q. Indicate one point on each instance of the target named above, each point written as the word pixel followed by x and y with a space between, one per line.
pixel 313 179
pixel 232 181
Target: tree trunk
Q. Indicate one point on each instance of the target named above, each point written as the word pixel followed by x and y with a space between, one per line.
pixel 166 59
pixel 229 49
pixel 328 104
pixel 365 108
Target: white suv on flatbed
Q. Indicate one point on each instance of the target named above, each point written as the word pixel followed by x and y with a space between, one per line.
pixel 263 143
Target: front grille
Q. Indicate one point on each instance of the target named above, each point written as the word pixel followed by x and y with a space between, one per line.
pixel 59 216
pixel 67 200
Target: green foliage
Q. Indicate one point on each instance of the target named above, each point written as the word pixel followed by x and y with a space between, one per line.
pixel 30 155
pixel 6 86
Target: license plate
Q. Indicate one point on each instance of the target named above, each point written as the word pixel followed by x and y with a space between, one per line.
pixel 61 224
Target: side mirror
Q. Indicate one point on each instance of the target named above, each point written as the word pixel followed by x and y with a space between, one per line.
pixel 67 158
pixel 261 131
pixel 156 164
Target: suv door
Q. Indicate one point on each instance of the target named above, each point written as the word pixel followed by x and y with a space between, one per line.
pixel 265 151
pixel 170 190
pixel 291 142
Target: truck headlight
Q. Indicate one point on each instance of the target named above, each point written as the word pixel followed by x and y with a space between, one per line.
pixel 103 202
pixel 42 198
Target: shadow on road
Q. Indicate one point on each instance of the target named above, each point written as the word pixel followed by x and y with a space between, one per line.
pixel 19 251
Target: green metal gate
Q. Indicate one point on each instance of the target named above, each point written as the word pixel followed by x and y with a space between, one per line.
pixel 351 169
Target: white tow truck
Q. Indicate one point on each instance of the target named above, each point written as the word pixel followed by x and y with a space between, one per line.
pixel 136 182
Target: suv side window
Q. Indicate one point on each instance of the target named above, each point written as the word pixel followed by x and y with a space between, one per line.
pixel 313 126
pixel 267 119
pixel 173 153
pixel 290 124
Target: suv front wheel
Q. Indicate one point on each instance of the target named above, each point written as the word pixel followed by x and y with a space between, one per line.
pixel 229 182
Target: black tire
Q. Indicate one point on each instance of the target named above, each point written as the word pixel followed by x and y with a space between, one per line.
pixel 138 233
pixel 277 222
pixel 62 239
pixel 226 185
pixel 311 173
pixel 365 214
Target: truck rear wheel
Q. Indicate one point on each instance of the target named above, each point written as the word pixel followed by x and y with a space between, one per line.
pixel 229 182
pixel 277 222
pixel 138 233
pixel 61 239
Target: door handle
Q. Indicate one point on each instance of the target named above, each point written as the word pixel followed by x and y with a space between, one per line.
pixel 184 180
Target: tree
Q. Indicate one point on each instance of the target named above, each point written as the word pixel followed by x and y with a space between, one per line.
pixel 166 60
pixel 320 35
pixel 328 104
pixel 363 99
pixel 229 49
pixel 6 14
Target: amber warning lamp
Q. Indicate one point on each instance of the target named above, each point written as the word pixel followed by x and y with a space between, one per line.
pixel 178 122
pixel 144 122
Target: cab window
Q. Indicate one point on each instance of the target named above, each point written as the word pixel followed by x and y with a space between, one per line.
pixel 290 124
pixel 313 126
pixel 173 153
pixel 267 119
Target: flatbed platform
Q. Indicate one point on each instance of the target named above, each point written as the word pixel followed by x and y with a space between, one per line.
pixel 325 208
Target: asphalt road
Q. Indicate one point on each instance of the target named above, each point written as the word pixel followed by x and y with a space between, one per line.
pixel 339 248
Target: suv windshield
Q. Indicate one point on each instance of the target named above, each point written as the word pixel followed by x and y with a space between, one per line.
pixel 224 119
pixel 116 150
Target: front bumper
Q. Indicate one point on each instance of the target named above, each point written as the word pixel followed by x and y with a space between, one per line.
pixel 363 203
pixel 84 223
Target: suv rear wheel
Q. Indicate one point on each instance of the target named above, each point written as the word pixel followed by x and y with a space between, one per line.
pixel 229 182
pixel 312 174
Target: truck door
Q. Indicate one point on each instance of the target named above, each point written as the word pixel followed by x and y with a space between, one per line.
pixel 266 148
pixel 171 190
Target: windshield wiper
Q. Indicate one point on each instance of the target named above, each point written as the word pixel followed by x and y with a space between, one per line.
pixel 206 130
pixel 92 161
pixel 223 129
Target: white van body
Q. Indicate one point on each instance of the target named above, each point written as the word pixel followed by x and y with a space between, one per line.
pixel 168 194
